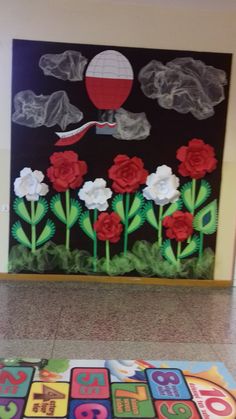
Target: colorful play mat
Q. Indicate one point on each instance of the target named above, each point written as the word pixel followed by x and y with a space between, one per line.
pixel 106 389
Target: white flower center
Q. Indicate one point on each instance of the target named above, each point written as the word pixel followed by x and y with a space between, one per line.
pixel 163 185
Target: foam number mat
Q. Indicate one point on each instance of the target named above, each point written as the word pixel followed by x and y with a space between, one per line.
pixel 121 389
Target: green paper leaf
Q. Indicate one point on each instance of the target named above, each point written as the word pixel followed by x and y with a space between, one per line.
pixel 136 204
pixel 85 224
pixel 47 233
pixel 57 208
pixel 19 234
pixel 57 365
pixel 41 210
pixel 75 211
pixel 203 194
pixel 168 253
pixel 205 220
pixel 191 247
pixel 186 195
pixel 21 209
pixel 137 221
pixel 118 206
pixel 150 215
pixel 176 206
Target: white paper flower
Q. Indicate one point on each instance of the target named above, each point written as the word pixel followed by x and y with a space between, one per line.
pixel 162 186
pixel 95 194
pixel 30 185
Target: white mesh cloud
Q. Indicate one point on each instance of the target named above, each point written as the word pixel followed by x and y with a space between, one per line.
pixel 34 111
pixel 69 65
pixel 131 126
pixel 185 85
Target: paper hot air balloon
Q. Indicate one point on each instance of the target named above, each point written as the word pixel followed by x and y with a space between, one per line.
pixel 108 79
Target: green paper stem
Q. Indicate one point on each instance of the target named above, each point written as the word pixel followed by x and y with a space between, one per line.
pixel 194 182
pixel 178 256
pixel 33 228
pixel 107 256
pixel 95 216
pixel 160 225
pixel 67 218
pixel 127 203
pixel 200 253
pixel 193 195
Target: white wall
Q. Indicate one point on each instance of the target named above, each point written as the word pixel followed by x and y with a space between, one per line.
pixel 185 25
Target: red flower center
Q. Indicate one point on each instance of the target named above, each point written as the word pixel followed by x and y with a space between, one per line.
pixel 197 159
pixel 108 227
pixel 127 174
pixel 66 171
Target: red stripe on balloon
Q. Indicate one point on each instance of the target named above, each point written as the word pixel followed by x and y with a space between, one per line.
pixel 108 93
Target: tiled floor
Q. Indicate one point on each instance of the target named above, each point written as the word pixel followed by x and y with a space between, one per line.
pixel 85 320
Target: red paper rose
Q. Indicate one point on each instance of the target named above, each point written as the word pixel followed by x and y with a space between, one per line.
pixel 66 171
pixel 108 227
pixel 198 158
pixel 127 173
pixel 179 225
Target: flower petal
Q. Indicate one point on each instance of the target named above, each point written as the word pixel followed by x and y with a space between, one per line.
pixel 164 171
pixel 103 207
pixel 25 171
pixel 32 197
pixel 38 175
pixel 44 189
pixel 100 183
pixel 151 179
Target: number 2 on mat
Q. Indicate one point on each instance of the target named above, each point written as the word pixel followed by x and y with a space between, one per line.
pixel 6 375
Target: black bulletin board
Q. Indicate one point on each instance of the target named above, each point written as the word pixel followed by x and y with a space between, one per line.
pixel 159 150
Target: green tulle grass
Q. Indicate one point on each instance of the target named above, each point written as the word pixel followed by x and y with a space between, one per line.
pixel 143 259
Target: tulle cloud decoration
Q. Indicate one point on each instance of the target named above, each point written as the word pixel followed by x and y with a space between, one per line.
pixel 185 85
